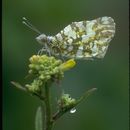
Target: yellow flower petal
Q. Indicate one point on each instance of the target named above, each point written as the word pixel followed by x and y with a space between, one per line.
pixel 68 65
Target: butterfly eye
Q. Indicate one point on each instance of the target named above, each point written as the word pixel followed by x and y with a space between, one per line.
pixel 42 39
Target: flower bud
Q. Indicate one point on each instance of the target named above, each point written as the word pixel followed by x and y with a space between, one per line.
pixel 66 102
pixel 68 65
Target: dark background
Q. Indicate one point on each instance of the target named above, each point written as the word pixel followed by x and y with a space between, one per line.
pixel 107 108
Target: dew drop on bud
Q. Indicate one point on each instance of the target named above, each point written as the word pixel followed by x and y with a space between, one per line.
pixel 73 110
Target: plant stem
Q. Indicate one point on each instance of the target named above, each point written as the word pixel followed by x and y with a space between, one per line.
pixel 48 121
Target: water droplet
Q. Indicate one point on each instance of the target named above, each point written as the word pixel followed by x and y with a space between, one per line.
pixel 73 110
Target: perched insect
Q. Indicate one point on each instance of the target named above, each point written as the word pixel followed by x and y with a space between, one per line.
pixel 79 40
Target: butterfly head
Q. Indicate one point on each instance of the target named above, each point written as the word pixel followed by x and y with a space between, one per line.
pixel 42 39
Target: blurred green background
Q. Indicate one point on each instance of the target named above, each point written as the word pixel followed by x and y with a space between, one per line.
pixel 107 108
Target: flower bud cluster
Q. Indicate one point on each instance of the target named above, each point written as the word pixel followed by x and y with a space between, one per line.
pixel 35 86
pixel 45 67
pixel 66 102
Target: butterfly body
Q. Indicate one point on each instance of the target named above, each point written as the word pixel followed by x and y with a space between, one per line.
pixel 81 40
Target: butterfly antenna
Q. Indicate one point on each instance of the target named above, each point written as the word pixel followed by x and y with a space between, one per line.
pixel 28 24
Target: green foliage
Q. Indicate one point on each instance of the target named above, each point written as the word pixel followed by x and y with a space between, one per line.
pixel 50 69
pixel 39 119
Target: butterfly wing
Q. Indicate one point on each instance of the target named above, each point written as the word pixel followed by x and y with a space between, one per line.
pixel 86 39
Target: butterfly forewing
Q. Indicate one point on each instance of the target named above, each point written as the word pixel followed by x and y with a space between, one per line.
pixel 85 39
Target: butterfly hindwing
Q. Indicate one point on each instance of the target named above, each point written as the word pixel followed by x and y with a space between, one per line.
pixel 85 39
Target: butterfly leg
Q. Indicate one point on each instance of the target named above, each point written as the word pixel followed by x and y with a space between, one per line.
pixel 60 54
pixel 40 52
pixel 47 50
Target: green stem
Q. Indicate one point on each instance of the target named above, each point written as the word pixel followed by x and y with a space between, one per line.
pixel 19 86
pixel 59 113
pixel 48 121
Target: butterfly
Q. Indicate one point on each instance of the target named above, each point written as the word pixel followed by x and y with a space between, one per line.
pixel 80 40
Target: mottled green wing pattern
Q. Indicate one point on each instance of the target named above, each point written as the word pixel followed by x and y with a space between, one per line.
pixel 85 39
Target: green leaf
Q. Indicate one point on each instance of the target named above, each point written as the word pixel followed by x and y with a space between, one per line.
pixel 19 86
pixel 85 95
pixel 38 119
